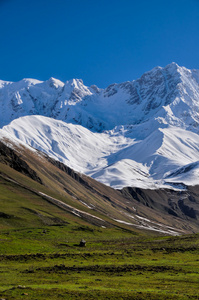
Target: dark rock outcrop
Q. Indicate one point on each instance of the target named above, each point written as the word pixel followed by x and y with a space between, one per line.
pixel 182 204
pixel 9 157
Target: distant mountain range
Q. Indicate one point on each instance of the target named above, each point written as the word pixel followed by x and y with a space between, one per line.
pixel 141 133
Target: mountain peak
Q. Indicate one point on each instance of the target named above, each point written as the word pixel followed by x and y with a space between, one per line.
pixel 173 64
pixel 55 83
pixel 4 83
pixel 173 67
pixel 27 82
pixel 75 82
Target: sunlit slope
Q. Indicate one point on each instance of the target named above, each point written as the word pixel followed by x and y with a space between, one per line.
pixel 79 198
pixel 115 158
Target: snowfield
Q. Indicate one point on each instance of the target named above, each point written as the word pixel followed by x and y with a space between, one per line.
pixel 142 133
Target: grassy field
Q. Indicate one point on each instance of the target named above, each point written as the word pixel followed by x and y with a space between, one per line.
pixel 48 263
pixel 40 255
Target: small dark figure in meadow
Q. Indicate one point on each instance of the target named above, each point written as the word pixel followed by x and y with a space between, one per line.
pixel 82 243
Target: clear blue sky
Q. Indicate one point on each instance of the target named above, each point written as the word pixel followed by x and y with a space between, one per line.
pixel 99 41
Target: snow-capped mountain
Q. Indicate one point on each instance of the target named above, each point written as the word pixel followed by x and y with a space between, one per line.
pixel 169 94
pixel 141 133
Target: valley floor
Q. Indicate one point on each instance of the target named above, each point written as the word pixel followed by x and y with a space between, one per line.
pixel 48 263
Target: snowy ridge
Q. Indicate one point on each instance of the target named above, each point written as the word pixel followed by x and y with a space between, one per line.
pixel 169 94
pixel 166 157
pixel 141 133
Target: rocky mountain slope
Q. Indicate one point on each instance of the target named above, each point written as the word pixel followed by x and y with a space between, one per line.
pixel 142 133
pixel 37 183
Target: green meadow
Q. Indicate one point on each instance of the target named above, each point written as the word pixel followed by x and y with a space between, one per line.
pixel 41 257
pixel 48 263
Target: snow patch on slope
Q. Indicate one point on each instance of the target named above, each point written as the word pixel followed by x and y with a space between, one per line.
pixel 117 157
